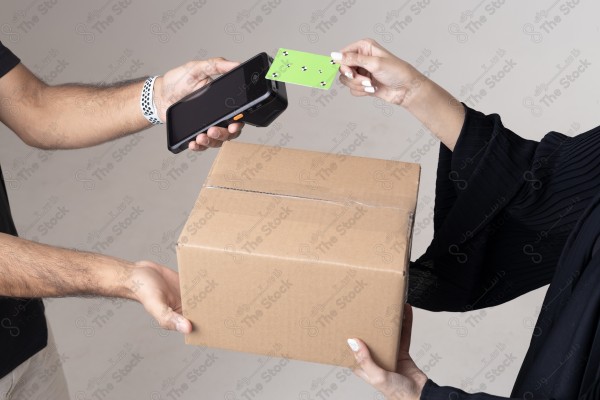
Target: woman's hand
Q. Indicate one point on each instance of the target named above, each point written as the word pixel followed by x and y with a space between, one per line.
pixel 408 380
pixel 181 81
pixel 369 69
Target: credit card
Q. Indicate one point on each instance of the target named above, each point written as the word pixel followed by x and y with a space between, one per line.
pixel 301 68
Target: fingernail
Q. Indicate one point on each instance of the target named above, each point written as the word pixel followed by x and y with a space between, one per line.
pixel 370 89
pixel 353 345
pixel 180 326
pixel 366 83
pixel 349 75
pixel 335 56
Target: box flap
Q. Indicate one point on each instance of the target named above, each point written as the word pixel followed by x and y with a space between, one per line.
pixel 254 224
pixel 315 175
pixel 275 202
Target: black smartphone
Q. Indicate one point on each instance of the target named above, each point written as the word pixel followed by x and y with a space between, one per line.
pixel 242 94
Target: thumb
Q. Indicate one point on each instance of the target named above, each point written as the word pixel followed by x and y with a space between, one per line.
pixel 367 369
pixel 351 59
pixel 406 332
pixel 167 318
pixel 218 65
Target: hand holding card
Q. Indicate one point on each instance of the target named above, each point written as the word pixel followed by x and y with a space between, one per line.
pixel 301 68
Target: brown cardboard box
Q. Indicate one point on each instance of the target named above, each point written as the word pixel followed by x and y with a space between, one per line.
pixel 289 253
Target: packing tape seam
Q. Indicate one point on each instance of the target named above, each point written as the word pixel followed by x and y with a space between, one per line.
pixel 402 272
pixel 348 201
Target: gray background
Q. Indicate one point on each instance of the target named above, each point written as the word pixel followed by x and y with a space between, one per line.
pixel 75 198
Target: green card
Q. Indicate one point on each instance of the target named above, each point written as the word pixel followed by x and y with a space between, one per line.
pixel 306 69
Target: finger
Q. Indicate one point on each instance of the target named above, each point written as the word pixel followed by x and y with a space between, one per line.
pixel 231 132
pixel 364 46
pixel 234 135
pixel 362 74
pixel 359 83
pixel 195 146
pixel 350 83
pixel 347 71
pixel 203 139
pixel 176 322
pixel 375 375
pixel 360 93
pixel 370 63
pixel 182 324
pixel 214 133
pixel 406 332
pixel 361 374
pixel 235 127
pixel 218 65
pixel 166 317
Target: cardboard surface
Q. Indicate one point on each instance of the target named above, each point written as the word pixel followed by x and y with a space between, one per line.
pixel 288 253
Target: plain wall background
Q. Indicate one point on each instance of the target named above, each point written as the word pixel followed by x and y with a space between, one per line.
pixel 75 198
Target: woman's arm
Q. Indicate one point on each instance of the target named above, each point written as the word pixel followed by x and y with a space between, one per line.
pixel 487 189
pixel 369 69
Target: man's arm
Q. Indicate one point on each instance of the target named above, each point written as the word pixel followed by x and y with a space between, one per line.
pixel 71 115
pixel 31 269
pixel 77 115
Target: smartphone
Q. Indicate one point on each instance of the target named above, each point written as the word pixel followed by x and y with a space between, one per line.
pixel 242 94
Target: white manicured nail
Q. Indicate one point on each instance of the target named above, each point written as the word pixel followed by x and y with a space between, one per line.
pixel 353 345
pixel 366 83
pixel 179 326
pixel 349 75
pixel 335 56
pixel 370 89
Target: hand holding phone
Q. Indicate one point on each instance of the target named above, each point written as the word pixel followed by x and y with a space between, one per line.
pixel 241 95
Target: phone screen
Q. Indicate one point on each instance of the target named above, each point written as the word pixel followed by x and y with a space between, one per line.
pixel 205 107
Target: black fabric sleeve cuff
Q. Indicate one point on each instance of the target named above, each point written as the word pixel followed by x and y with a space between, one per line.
pixel 431 391
pixel 8 60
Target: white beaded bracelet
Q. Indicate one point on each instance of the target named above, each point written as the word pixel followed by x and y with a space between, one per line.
pixel 147 102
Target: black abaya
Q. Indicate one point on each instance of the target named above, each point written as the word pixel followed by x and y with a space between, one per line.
pixel 512 215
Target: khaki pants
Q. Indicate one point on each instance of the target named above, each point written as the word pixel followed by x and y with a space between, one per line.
pixel 39 377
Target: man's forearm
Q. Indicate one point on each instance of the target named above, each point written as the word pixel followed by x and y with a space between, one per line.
pixel 70 115
pixel 84 115
pixel 30 269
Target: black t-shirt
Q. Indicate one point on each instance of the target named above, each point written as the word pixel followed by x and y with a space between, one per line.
pixel 23 330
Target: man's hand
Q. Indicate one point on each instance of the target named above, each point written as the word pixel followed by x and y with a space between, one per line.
pixel 185 79
pixel 30 269
pixel 157 288
pixel 407 382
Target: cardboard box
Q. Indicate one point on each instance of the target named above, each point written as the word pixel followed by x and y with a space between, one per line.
pixel 288 253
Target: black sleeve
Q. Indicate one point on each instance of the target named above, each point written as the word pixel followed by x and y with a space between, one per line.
pixel 504 208
pixel 7 60
pixel 431 391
